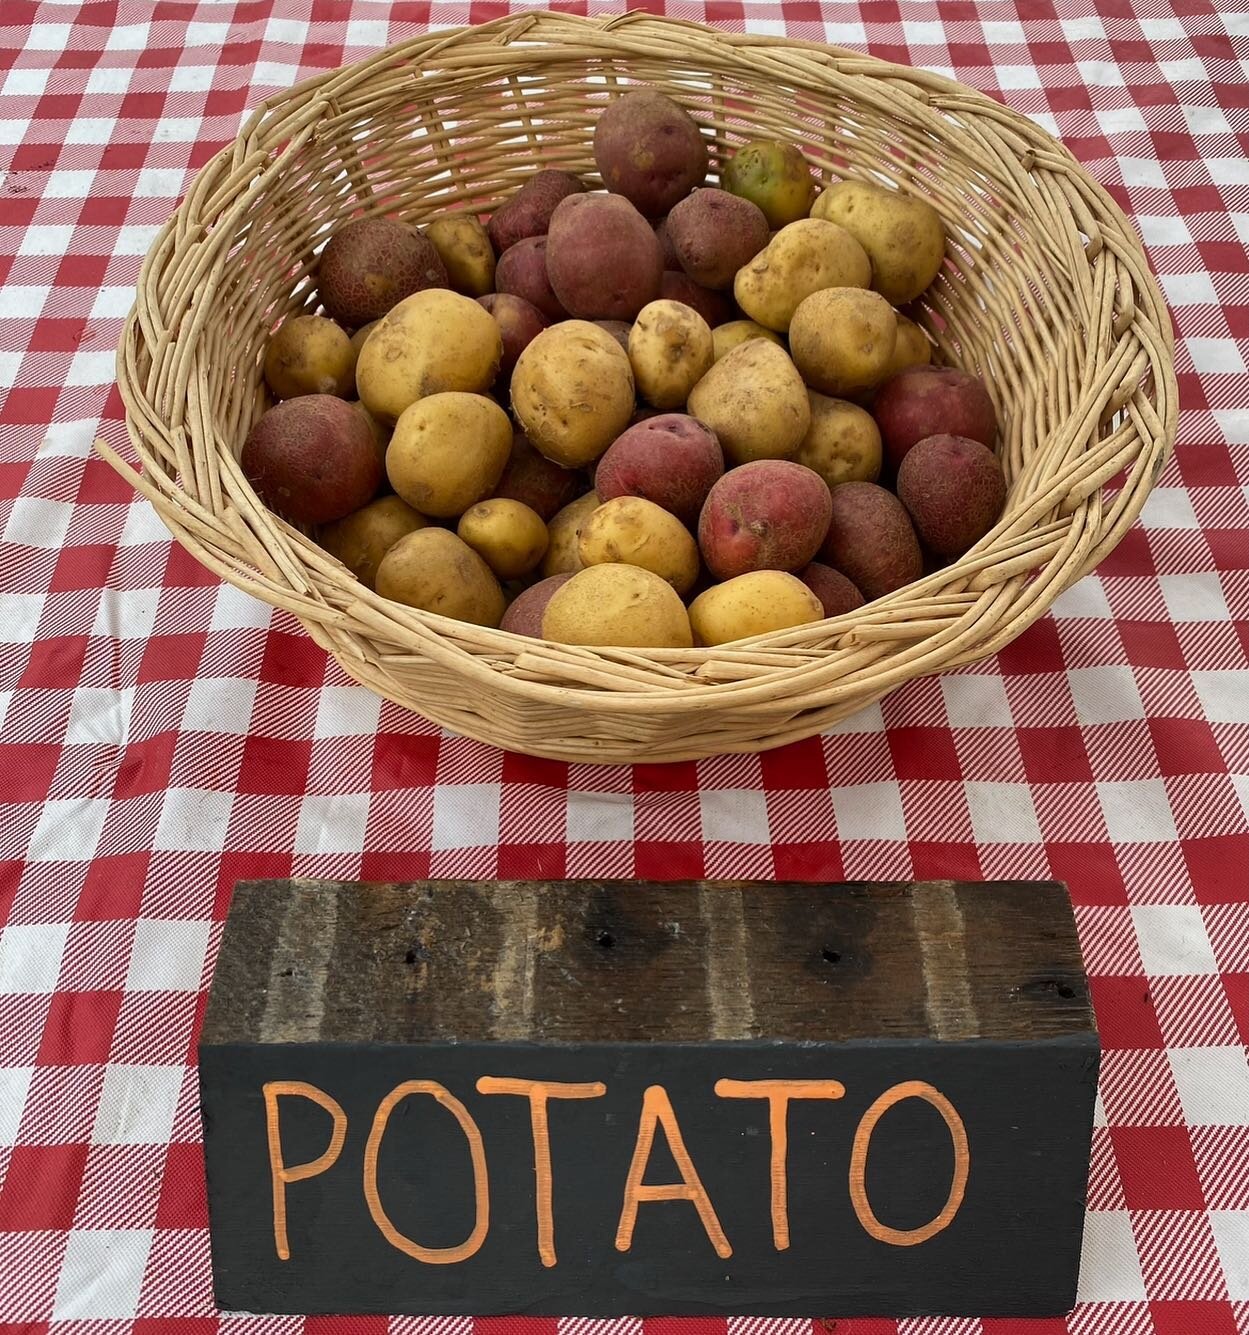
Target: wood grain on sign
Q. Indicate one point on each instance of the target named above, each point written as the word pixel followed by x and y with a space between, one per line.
pixel 597 1098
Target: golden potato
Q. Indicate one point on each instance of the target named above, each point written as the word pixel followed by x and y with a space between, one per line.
pixel 465 250
pixel 572 392
pixel 670 350
pixel 725 337
pixel 364 537
pixel 753 604
pixel 509 536
pixel 902 235
pixel 754 400
pixel 617 604
pixel 563 556
pixel 843 442
pixel 800 259
pixel 448 451
pixel 430 343
pixel 438 572
pixel 842 339
pixel 637 532
pixel 357 339
pixel 382 431
pixel 309 354
pixel 911 349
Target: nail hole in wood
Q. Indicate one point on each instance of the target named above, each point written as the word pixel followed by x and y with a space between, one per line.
pixel 410 957
pixel 606 940
pixel 830 955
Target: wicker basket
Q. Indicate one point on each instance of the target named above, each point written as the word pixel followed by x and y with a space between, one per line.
pixel 1045 292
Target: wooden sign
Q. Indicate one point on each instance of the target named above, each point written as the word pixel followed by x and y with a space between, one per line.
pixel 599 1098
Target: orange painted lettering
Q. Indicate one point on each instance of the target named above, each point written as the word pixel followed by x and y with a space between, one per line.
pixel 281 1175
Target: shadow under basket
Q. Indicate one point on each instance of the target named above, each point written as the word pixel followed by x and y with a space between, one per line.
pixel 1045 293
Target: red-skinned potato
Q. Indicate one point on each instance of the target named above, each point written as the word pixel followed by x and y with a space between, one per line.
pixel 715 307
pixel 528 212
pixel 871 539
pixel 370 265
pixel 618 329
pixel 665 244
pixel 766 515
pixel 524 614
pixel 670 459
pixel 649 150
pixel 832 588
pixel 522 272
pixel 535 481
pixel 714 234
pixel 519 321
pixel 954 489
pixel 603 258
pixel 932 400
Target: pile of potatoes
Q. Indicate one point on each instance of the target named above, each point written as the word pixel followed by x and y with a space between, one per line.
pixel 651 416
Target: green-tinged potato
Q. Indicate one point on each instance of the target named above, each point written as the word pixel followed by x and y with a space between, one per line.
pixel 603 258
pixel 753 604
pixel 572 392
pixel 714 233
pixel 911 349
pixel 563 555
pixel 842 338
pixel 902 235
pixel 637 532
pixel 430 343
pixel 465 251
pixel 436 571
pixel 842 443
pixel 528 212
pixel 805 257
pixel 617 605
pixel 754 400
pixel 670 350
pixel 649 149
pixel 524 612
pixel 774 176
pixel 363 538
pixel 725 337
pixel 510 537
pixel 370 265
pixel 309 354
pixel 448 452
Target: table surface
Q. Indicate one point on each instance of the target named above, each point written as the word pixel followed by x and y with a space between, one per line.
pixel 162 735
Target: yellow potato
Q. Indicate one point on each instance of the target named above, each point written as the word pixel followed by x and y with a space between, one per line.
pixel 357 339
pixel 448 452
pixel 911 349
pixel 725 337
pixel 753 604
pixel 432 342
pixel 465 250
pixel 800 259
pixel 572 392
pixel 843 442
pixel 842 339
pixel 363 538
pixel 434 570
pixel 509 536
pixel 755 402
pixel 617 604
pixel 309 354
pixel 637 532
pixel 902 235
pixel 562 555
pixel 670 350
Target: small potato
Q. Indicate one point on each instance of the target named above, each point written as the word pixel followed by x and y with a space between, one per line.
pixel 836 593
pixel 802 258
pixel 370 264
pixel 510 537
pixel 431 342
pixel 309 354
pixel 357 342
pixel 714 307
pixel 535 481
pixel 773 175
pixel 649 149
pixel 436 571
pixel 521 272
pixel 932 400
pixel 753 604
pixel 871 539
pixel 572 392
pixel 714 233
pixel 902 235
pixel 524 613
pixel 841 339
pixel 465 250
pixel 519 321
pixel 843 442
pixel 618 329
pixel 768 515
pixel 363 538
pixel 617 605
pixel 911 349
pixel 563 556
pixel 725 337
pixel 670 459
pixel 670 350
pixel 528 212
pixel 754 400
pixel 954 490
pixel 448 452
pixel 637 532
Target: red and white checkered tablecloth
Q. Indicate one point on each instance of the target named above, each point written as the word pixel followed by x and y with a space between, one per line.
pixel 162 735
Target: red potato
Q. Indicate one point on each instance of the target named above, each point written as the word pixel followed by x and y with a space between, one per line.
pixel 665 243
pixel 618 329
pixel 871 540
pixel 669 459
pixel 649 150
pixel 522 272
pixel 370 265
pixel 528 212
pixel 524 615
pixel 714 234
pixel 535 481
pixel 716 308
pixel 767 515
pixel 832 588
pixel 603 259
pixel 519 321
pixel 954 490
pixel 932 400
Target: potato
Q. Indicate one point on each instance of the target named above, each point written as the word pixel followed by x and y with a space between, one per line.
pixel 649 150
pixel 841 339
pixel 535 481
pixel 670 350
pixel 618 329
pixel 714 307
pixel 436 571
pixel 637 532
pixel 572 392
pixel 617 605
pixel 930 400
pixel 752 604
pixel 670 459
pixel 603 258
pixel 381 431
pixel 911 349
pixel 835 592
pixel 774 176
pixel 954 490
pixel 448 452
pixel 563 557
pixel 465 251
pixel 372 264
pixel 714 234
pixel 519 321
pixel 521 272
pixel 902 235
pixel 309 354
pixel 510 537
pixel 842 443
pixel 766 515
pixel 364 537
pixel 871 539
pixel 528 212
pixel 725 337
pixel 432 342
pixel 524 613
pixel 805 257
pixel 312 459
pixel 755 402
pixel 665 244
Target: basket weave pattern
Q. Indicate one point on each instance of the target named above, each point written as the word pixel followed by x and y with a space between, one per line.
pixel 1045 293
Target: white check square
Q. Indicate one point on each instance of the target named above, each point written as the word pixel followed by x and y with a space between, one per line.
pixel 1173 939
pixel 1136 811
pixel 1105 695
pixel 869 811
pixel 734 816
pixel 598 818
pixel 167 956
pixel 1213 1084
pixel 193 820
pixel 466 815
pixel 137 1105
pixel 1002 813
pixel 102 1274
pixel 30 957
pixel 332 824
